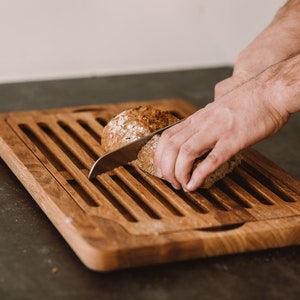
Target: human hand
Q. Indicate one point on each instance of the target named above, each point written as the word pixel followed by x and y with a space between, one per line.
pixel 255 110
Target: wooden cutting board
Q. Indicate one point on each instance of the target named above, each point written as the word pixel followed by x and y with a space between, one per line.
pixel 127 218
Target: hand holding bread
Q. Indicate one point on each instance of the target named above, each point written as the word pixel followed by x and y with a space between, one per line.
pixel 242 117
pixel 137 122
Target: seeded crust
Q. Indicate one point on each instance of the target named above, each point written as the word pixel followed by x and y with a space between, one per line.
pixel 137 122
pixel 133 124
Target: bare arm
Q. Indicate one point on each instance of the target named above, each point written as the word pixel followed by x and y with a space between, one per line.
pixel 253 111
pixel 280 40
pixel 262 102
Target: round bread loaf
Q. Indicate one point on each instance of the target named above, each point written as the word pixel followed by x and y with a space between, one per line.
pixel 133 124
pixel 137 122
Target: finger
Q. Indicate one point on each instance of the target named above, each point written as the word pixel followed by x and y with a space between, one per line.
pixel 167 165
pixel 160 149
pixel 183 147
pixel 167 159
pixel 193 148
pixel 164 144
pixel 221 153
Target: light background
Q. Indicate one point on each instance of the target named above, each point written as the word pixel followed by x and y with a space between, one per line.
pixel 52 39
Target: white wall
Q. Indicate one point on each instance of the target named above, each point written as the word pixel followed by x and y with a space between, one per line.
pixel 45 39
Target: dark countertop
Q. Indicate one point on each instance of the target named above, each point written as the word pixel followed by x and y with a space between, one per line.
pixel 36 262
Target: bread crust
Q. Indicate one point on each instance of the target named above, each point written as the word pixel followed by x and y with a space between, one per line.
pixel 133 124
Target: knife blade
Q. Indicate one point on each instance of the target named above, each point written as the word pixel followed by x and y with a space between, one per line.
pixel 123 155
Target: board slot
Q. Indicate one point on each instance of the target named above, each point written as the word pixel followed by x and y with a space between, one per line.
pixel 79 142
pixel 144 206
pixel 214 200
pixel 276 187
pixel 92 147
pixel 101 121
pixel 273 172
pixel 158 196
pixel 252 186
pixel 86 126
pixel 123 198
pixel 49 132
pixel 229 201
pixel 230 189
pixel 194 200
pixel 42 148
pixel 167 192
pixel 114 201
pixel 82 194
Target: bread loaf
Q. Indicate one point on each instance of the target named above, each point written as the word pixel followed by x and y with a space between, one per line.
pixel 133 124
pixel 137 122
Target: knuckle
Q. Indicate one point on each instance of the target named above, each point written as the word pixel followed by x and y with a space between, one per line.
pixel 212 158
pixel 219 87
pixel 172 143
pixel 167 134
pixel 188 150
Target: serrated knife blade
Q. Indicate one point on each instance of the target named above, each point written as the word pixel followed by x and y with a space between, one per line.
pixel 123 155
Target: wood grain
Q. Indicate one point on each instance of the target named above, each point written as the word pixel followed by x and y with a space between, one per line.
pixel 126 217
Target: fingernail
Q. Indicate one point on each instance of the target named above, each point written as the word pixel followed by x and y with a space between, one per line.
pixel 176 186
pixel 190 186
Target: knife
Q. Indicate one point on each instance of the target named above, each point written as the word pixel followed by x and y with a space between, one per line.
pixel 123 155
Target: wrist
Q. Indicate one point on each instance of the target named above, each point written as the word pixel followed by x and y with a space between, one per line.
pixel 282 82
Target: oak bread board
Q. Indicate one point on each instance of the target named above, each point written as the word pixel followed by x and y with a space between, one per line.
pixel 127 218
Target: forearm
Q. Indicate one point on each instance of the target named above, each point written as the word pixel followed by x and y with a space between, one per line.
pixel 282 82
pixel 291 8
pixel 280 40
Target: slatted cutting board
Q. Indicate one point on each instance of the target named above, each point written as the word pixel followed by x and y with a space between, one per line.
pixel 127 218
